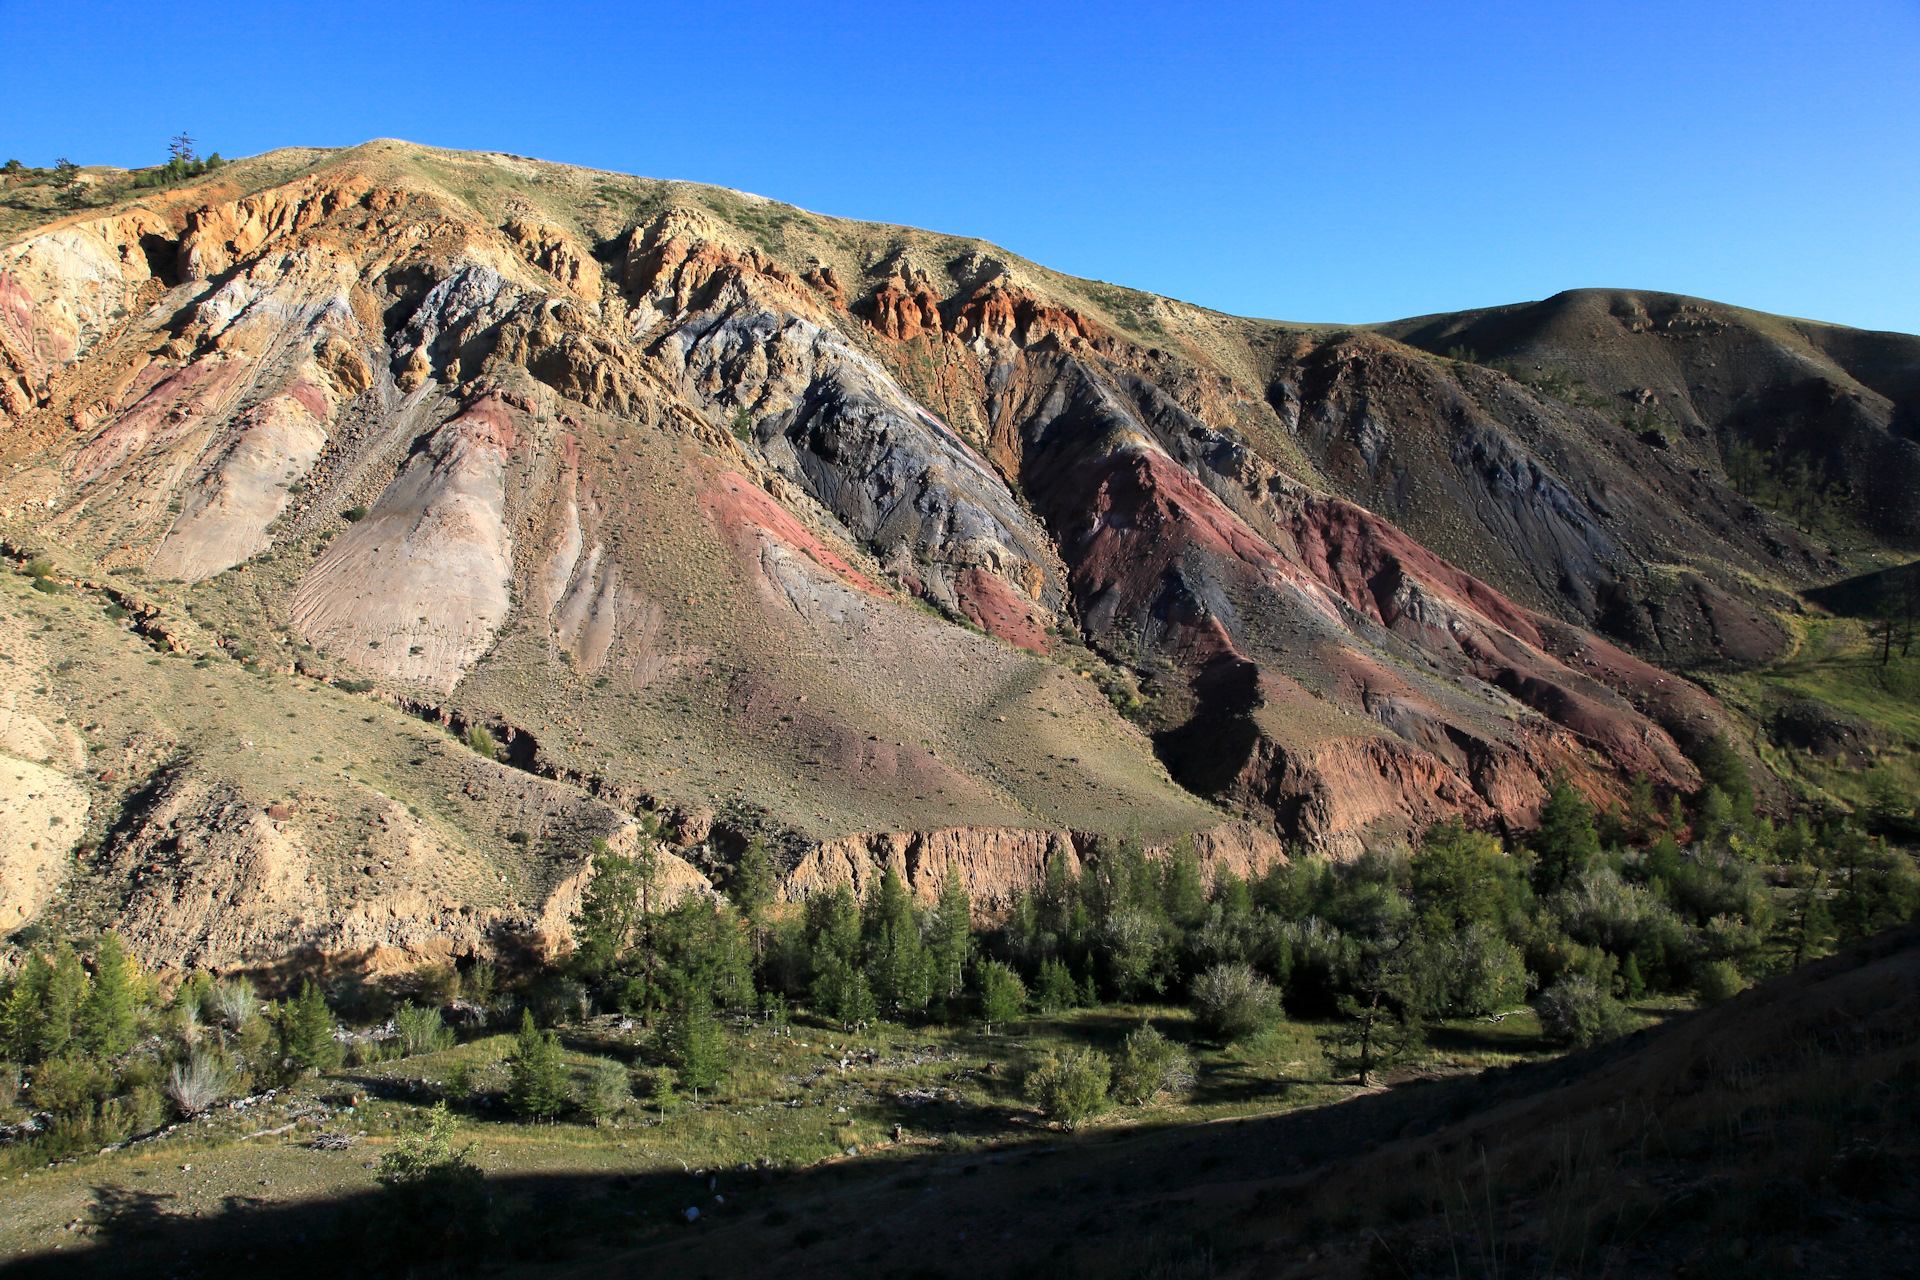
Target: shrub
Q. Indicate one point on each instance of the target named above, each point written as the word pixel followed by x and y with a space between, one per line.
pixel 198 1083
pixel 1577 1011
pixel 606 1091
pixel 1718 979
pixel 353 515
pixel 426 1154
pixel 421 1029
pixel 1866 1171
pixel 233 1002
pixel 1070 1086
pixel 434 1205
pixel 1231 1001
pixel 1477 971
pixel 481 741
pixel 1150 1064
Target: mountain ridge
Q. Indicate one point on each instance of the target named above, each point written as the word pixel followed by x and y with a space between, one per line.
pixel 674 493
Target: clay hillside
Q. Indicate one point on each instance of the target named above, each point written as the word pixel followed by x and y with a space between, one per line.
pixel 393 522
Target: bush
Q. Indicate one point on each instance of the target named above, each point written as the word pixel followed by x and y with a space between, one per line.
pixel 1231 1001
pixel 481 741
pixel 435 1205
pixel 233 1002
pixel 198 1083
pixel 606 1092
pixel 1150 1064
pixel 421 1030
pixel 1477 971
pixel 426 1154
pixel 1718 979
pixel 1866 1171
pixel 1577 1011
pixel 1070 1086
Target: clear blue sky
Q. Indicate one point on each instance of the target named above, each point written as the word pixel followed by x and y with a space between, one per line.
pixel 1330 162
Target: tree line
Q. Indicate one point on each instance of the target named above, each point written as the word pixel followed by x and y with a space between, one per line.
pixel 1589 911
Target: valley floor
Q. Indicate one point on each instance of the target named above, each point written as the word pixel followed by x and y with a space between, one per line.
pixel 822 1134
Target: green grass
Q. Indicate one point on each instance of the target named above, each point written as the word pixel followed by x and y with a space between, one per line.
pixel 1838 664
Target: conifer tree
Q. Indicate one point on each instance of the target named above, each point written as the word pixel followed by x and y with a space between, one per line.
pixel 950 940
pixel 1003 997
pixel 752 889
pixel 306 1031
pixel 1055 987
pixel 108 1021
pixel 897 959
pixel 1566 841
pixel 1183 889
pixel 63 996
pixel 537 1084
pixel 610 911
pixel 699 1053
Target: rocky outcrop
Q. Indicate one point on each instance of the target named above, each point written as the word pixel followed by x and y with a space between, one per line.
pixel 997 864
pixel 830 419
pixel 62 291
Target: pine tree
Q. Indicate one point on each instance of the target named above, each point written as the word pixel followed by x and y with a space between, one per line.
pixel 842 992
pixel 1055 989
pixel 1566 841
pixel 1630 978
pixel 306 1031
pixel 610 911
pixel 1382 1007
pixel 108 1021
pixel 1183 889
pixel 833 926
pixel 950 940
pixel 1003 997
pixel 537 1084
pixel 752 890
pixel 897 959
pixel 699 1054
pixel 25 998
pixel 60 1004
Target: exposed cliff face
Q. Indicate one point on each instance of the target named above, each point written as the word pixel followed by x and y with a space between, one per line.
pixel 721 507
pixel 998 864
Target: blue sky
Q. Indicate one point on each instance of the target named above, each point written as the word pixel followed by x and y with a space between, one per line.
pixel 1340 162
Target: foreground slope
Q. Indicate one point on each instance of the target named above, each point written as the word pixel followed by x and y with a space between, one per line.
pixel 857 538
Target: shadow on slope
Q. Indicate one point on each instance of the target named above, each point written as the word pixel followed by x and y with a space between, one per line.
pixel 1767 1133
